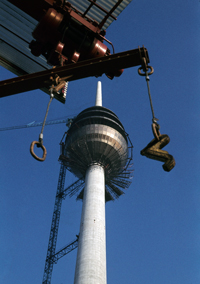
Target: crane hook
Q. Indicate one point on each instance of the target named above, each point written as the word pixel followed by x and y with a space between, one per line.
pixel 54 89
pixel 39 145
pixel 153 151
pixel 40 142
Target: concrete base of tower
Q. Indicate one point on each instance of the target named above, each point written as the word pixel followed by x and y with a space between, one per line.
pixel 91 255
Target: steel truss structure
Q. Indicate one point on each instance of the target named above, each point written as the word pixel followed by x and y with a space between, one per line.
pixel 53 256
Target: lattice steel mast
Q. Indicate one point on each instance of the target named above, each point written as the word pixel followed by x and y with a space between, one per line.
pixel 54 227
pixel 53 256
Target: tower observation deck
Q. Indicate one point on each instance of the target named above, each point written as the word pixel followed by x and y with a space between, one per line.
pixel 98 150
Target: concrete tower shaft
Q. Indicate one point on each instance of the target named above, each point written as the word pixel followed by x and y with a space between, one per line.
pixel 91 255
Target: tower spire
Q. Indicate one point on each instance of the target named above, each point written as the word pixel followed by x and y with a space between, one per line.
pixel 99 94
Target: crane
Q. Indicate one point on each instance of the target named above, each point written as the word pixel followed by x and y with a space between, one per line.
pixel 68 121
pixel 53 256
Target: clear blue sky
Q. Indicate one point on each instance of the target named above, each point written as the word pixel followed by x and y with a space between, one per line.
pixel 153 230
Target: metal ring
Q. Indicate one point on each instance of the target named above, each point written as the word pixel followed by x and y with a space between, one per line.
pixel 39 145
pixel 144 74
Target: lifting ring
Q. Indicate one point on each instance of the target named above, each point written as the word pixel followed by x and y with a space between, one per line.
pixel 39 145
pixel 148 73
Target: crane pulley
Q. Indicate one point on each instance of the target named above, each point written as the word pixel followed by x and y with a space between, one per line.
pixel 153 149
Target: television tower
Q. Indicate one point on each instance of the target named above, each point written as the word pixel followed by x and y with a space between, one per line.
pixel 97 150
